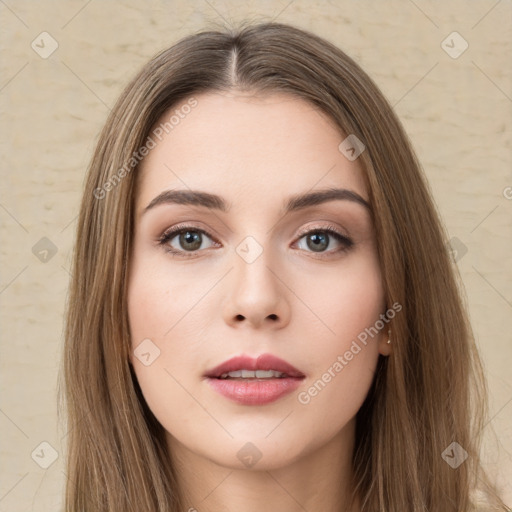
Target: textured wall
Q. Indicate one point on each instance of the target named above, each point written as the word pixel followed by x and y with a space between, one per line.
pixel 456 109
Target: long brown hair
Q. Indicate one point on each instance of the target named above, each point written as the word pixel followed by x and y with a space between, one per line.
pixel 427 395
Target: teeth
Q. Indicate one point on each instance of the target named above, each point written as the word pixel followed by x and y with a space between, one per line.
pixel 250 374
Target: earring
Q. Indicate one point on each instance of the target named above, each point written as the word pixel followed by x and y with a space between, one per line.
pixel 389 337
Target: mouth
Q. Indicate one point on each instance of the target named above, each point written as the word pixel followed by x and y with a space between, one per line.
pixel 265 366
pixel 254 381
pixel 252 375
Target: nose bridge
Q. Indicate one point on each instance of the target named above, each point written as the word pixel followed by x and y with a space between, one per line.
pixel 252 269
pixel 256 291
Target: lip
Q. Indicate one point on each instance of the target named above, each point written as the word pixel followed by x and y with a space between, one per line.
pixel 255 391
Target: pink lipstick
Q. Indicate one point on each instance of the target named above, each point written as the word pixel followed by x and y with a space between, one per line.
pixel 254 381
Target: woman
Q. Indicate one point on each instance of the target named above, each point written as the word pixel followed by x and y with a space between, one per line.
pixel 263 307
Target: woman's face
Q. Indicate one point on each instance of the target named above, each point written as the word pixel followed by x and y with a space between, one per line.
pixel 255 271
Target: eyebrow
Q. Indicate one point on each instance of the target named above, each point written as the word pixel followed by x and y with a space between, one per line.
pixel 294 203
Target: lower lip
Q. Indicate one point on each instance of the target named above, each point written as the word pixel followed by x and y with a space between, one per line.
pixel 254 392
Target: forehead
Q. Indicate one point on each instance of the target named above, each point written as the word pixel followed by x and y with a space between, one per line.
pixel 247 147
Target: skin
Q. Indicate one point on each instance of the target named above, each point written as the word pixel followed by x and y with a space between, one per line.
pixel 255 151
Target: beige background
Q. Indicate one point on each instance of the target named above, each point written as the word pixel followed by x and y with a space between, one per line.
pixel 457 112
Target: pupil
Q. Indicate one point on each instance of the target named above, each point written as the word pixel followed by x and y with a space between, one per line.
pixel 318 241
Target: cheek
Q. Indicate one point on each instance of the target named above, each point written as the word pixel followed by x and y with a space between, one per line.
pixel 345 301
pixel 169 318
pixel 346 344
pixel 165 326
pixel 161 299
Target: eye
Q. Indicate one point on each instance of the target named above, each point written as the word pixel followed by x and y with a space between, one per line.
pixel 189 239
pixel 319 239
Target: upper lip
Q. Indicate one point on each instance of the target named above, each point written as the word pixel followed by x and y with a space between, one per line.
pixel 262 362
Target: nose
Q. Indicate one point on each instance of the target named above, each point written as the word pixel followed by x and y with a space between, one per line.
pixel 257 295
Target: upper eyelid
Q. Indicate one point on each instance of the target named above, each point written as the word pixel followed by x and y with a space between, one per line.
pixel 330 227
pixel 176 230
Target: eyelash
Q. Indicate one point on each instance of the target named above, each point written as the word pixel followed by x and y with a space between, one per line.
pixel 168 235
